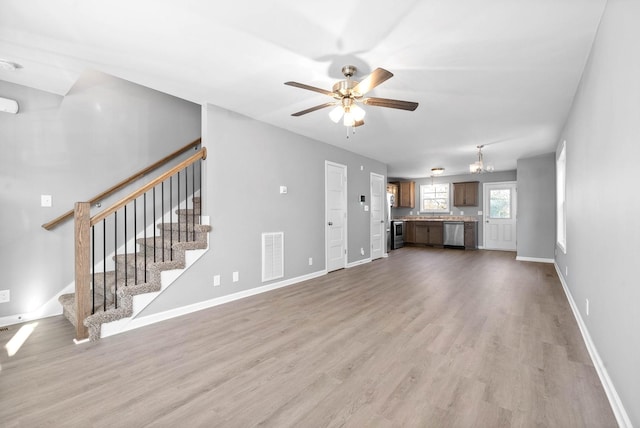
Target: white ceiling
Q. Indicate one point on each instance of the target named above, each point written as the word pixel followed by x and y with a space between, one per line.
pixel 501 73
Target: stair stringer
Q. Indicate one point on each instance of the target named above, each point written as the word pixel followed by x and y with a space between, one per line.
pixel 140 301
pixel 133 299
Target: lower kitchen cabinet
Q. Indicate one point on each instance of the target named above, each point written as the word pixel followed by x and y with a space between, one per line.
pixel 429 233
pixel 470 235
pixel 410 232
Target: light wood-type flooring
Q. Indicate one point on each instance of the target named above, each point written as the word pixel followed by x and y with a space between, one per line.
pixel 424 338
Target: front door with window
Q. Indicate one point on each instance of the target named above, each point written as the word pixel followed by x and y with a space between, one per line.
pixel 500 216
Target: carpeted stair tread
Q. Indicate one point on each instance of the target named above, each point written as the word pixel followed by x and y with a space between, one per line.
pixel 142 268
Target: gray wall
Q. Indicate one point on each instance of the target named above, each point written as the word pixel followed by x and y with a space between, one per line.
pixel 72 148
pixel 537 207
pixel 247 163
pixel 603 234
pixel 493 177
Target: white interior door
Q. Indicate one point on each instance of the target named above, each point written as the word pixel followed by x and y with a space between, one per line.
pixel 378 197
pixel 336 215
pixel 500 202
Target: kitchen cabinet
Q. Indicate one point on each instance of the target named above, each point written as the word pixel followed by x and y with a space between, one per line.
pixel 465 194
pixel 410 232
pixel 428 232
pixel 407 194
pixel 470 235
pixel 393 188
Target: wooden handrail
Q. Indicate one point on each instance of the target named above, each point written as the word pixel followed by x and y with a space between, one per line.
pixel 55 222
pixel 202 154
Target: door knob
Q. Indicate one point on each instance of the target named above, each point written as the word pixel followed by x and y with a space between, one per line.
pixel 330 223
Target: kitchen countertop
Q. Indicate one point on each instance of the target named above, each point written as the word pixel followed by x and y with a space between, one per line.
pixel 441 218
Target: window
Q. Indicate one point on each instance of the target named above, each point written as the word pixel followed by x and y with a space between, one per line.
pixel 500 203
pixel 561 205
pixel 434 198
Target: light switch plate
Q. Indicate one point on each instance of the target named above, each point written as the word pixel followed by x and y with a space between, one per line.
pixel 5 296
pixel 45 200
pixel 283 190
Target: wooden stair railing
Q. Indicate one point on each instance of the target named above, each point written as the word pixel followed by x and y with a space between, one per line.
pixel 138 175
pixel 84 223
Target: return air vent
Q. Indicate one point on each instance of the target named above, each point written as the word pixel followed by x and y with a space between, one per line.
pixel 272 256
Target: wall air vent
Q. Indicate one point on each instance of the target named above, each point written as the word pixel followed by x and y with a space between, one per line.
pixel 8 106
pixel 272 256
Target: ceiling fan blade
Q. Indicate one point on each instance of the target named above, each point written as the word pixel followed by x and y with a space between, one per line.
pixel 309 110
pixel 378 76
pixel 310 88
pixel 386 102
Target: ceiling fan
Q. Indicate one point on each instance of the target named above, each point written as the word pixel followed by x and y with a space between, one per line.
pixel 347 94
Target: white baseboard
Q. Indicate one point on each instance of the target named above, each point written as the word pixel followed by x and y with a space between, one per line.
pixel 614 399
pixel 184 310
pixel 358 263
pixel 51 308
pixel 534 259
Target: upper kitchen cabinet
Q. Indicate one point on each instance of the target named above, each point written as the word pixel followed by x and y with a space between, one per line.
pixel 465 194
pixel 407 194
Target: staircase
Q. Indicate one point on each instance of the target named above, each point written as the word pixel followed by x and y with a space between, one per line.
pixel 164 251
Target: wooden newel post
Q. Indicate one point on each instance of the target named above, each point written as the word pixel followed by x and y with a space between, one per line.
pixel 82 218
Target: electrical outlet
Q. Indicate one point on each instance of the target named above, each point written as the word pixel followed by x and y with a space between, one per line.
pixel 566 271
pixel 5 296
pixel 361 251
pixel 310 261
pixel 236 276
pixel 216 280
pixel 586 305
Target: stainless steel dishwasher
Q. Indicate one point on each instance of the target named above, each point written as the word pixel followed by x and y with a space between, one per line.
pixel 454 234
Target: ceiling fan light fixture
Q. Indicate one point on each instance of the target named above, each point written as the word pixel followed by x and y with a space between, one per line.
pixel 336 114
pixel 357 112
pixel 346 93
pixel 349 120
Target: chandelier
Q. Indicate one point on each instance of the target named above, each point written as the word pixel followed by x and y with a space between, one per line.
pixel 479 167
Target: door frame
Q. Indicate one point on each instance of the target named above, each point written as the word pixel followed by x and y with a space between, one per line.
pixel 383 199
pixel 485 211
pixel 326 214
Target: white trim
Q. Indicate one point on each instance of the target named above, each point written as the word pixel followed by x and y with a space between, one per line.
pixel 485 215
pixel 383 198
pixel 359 262
pixel 51 308
pixel 184 310
pixel 346 210
pixel 534 259
pixel 141 301
pixel 614 399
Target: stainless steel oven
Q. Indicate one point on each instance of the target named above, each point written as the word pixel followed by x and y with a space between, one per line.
pixel 397 232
